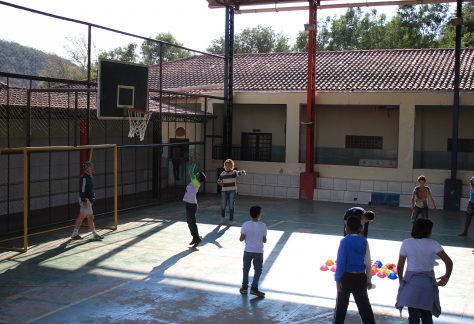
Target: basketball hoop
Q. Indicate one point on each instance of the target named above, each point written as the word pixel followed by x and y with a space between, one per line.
pixel 138 120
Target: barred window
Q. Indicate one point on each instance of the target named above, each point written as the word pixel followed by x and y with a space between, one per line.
pixel 256 147
pixel 364 142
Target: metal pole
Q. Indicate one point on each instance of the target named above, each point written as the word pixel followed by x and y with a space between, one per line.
pixel 453 186
pixel 26 198
pixel 115 186
pixel 205 138
pixel 28 117
pixel 310 96
pixel 228 82
pixel 457 64
pixel 308 178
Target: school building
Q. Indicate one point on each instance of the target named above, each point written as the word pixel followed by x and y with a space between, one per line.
pixel 382 118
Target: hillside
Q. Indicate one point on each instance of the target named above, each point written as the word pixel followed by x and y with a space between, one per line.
pixel 16 58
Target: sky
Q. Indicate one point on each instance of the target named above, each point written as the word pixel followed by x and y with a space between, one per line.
pixel 190 21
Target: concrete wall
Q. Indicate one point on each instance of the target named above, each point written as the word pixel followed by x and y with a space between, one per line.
pixel 265 118
pixel 434 127
pixel 333 123
pixel 403 175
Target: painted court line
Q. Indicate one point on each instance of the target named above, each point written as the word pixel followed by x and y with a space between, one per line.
pixel 372 227
pixel 79 301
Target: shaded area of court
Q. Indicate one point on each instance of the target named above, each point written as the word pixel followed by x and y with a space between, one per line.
pixel 145 272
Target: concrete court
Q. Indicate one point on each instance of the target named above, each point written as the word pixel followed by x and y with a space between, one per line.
pixel 145 273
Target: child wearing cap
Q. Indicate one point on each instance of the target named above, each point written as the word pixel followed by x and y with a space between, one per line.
pixel 86 199
pixel 365 216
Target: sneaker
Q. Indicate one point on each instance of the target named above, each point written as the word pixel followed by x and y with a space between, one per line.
pixel 97 237
pixel 462 234
pixel 76 237
pixel 231 223
pixel 243 290
pixel 196 243
pixel 192 242
pixel 256 292
pixel 222 221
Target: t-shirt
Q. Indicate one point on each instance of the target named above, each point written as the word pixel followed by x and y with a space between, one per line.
pixel 471 193
pixel 254 233
pixel 191 191
pixel 421 196
pixel 420 253
pixel 193 186
pixel 86 188
pixel 228 180
pixel 353 255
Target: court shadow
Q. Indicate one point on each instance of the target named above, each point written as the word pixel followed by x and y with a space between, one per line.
pixel 158 272
pixel 215 234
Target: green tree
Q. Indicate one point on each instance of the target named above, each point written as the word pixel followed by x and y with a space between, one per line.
pixel 467 29
pixel 345 31
pixel 353 30
pixel 412 27
pixel 218 45
pixel 417 26
pixel 259 39
pixel 126 53
pixel 150 51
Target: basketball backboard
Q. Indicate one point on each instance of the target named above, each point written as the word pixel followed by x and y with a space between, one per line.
pixel 121 86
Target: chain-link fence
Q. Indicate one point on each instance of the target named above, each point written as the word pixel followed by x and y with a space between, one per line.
pixel 151 171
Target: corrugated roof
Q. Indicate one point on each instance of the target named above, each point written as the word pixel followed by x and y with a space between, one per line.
pixel 368 70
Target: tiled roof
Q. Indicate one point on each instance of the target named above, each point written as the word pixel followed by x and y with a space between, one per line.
pixel 368 70
pixel 17 97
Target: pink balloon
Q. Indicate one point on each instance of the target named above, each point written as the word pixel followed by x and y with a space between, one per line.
pixel 333 268
pixel 324 268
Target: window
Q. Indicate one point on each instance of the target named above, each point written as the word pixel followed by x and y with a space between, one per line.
pixel 364 142
pixel 464 144
pixel 256 147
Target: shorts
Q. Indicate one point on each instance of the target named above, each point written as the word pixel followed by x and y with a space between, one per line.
pixel 470 209
pixel 88 209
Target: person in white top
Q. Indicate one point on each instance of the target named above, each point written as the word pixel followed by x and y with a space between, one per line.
pixel 190 200
pixel 254 233
pixel 418 285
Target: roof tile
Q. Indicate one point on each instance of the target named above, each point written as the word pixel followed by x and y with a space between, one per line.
pixel 365 70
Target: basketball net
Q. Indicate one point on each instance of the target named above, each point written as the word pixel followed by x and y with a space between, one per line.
pixel 138 121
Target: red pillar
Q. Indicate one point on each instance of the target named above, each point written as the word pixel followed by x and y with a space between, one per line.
pixel 308 177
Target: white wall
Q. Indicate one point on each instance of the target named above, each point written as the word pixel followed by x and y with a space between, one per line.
pixel 406 102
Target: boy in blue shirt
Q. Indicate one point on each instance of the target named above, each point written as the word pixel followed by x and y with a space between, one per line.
pixel 470 209
pixel 353 273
